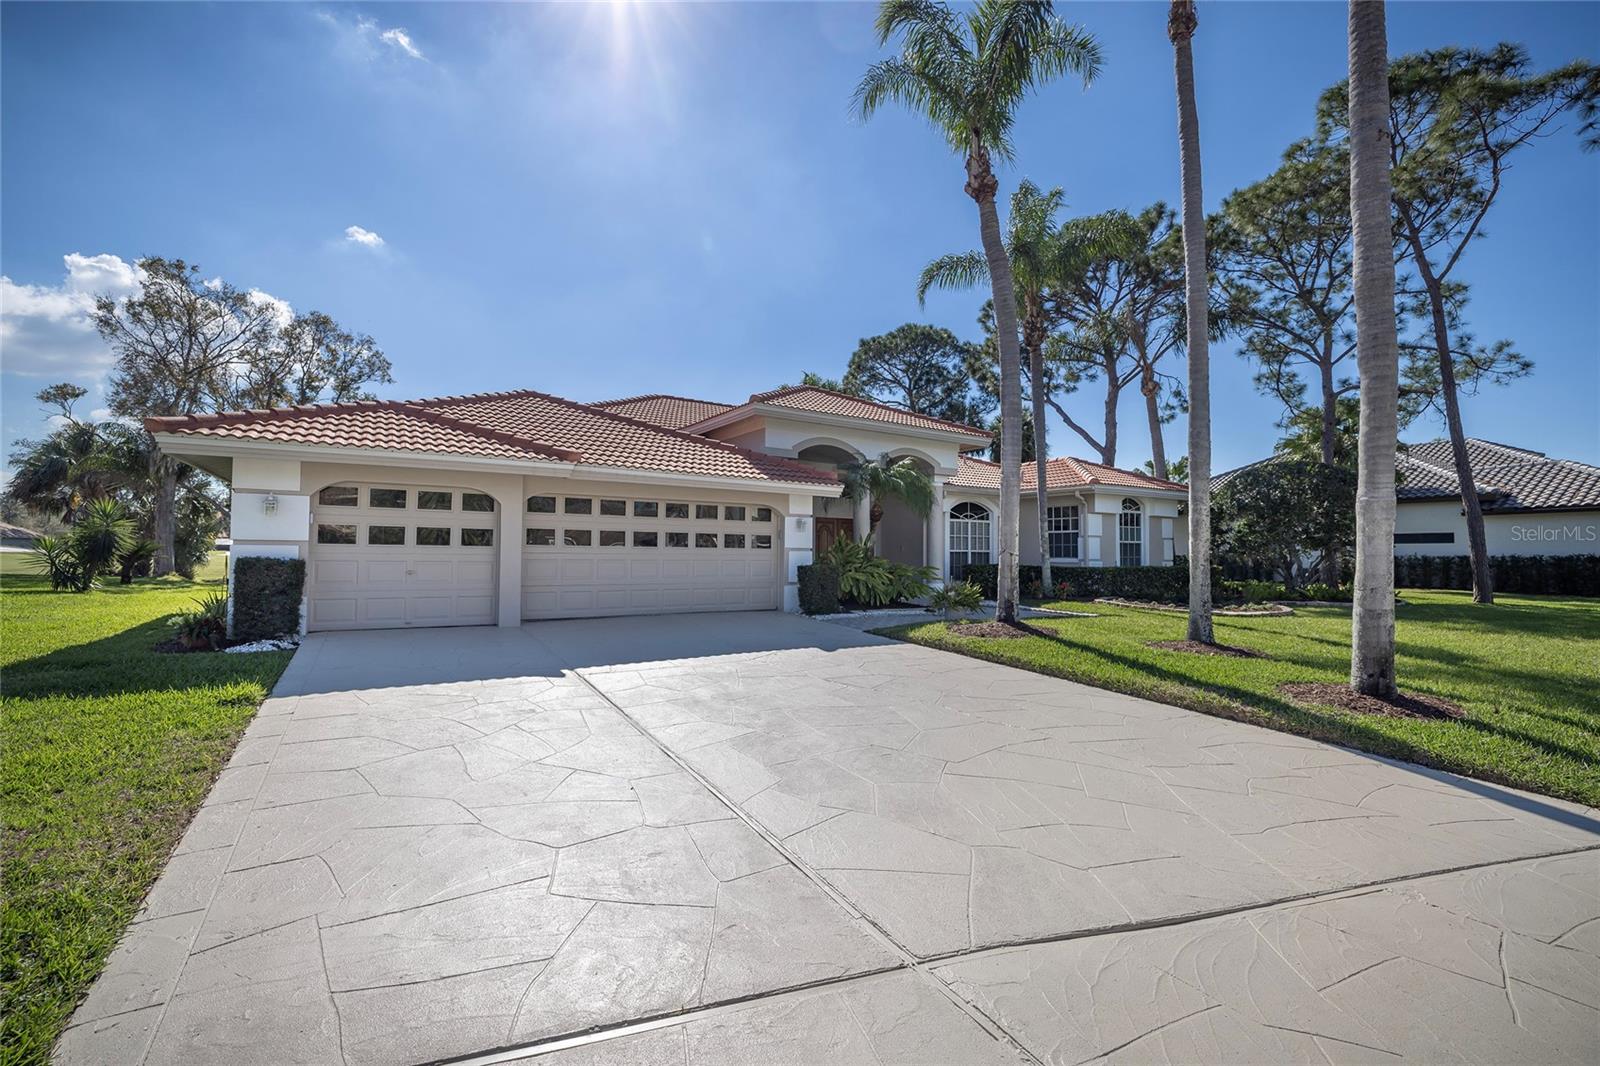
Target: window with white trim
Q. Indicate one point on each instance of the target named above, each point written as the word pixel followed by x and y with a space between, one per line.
pixel 971 535
pixel 1130 534
pixel 1061 526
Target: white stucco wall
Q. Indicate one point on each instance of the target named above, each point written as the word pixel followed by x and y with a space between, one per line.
pixel 1552 533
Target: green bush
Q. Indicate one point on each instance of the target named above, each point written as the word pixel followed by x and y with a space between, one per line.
pixel 76 561
pixel 957 597
pixel 1557 575
pixel 819 589
pixel 266 597
pixel 1162 584
pixel 205 627
pixel 1261 591
pixel 1318 590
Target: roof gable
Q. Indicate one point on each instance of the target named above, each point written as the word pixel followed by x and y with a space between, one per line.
pixel 810 399
pixel 673 412
pixel 1064 472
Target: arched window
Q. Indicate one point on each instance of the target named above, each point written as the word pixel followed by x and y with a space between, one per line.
pixel 971 537
pixel 1130 534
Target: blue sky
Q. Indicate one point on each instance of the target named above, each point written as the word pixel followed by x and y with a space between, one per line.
pixel 612 199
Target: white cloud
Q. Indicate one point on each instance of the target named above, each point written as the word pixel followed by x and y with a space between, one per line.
pixel 282 313
pixel 359 235
pixel 400 39
pixel 48 330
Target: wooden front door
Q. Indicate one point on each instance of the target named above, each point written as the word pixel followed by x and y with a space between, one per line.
pixel 829 530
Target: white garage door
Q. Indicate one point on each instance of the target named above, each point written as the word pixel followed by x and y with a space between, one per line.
pixel 630 554
pixel 389 556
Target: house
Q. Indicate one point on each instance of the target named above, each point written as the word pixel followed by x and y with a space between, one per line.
pixel 499 507
pixel 1532 504
pixel 16 538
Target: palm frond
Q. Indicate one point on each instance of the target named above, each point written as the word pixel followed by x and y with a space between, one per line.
pixel 963 270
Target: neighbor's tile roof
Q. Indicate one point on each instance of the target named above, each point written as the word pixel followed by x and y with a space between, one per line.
pixel 1063 473
pixel 809 398
pixel 673 412
pixel 511 425
pixel 1507 478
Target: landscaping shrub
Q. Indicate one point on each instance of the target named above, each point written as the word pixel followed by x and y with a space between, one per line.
pixel 75 562
pixel 1557 575
pixel 819 589
pixel 266 597
pixel 1163 584
pixel 956 598
pixel 1261 591
pixel 206 626
pixel 1318 590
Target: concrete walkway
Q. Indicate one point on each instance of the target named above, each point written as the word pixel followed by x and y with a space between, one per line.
pixel 753 838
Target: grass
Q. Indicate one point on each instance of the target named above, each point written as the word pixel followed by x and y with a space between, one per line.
pixel 106 750
pixel 1525 669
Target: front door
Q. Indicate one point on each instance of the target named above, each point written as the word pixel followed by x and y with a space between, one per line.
pixel 833 529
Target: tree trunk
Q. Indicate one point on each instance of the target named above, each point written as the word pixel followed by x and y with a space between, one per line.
pixel 1108 449
pixel 981 186
pixel 1377 352
pixel 1034 331
pixel 1152 410
pixel 1477 543
pixel 1330 431
pixel 165 523
pixel 1181 22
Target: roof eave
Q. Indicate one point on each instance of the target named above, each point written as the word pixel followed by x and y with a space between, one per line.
pixel 973 436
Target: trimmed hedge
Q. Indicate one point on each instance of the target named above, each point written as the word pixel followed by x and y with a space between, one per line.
pixel 266 596
pixel 1557 575
pixel 819 589
pixel 1163 584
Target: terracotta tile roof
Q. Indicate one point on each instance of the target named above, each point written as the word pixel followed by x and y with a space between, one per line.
pixel 524 425
pixel 378 424
pixel 1507 478
pixel 825 401
pixel 673 412
pixel 1062 473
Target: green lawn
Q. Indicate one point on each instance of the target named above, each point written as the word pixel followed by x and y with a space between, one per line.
pixel 1527 670
pixel 106 749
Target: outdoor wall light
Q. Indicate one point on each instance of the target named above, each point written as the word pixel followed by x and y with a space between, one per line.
pixel 800 523
pixel 269 504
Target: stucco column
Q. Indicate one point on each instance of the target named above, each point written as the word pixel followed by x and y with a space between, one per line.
pixel 797 540
pixel 863 516
pixel 933 543
pixel 508 601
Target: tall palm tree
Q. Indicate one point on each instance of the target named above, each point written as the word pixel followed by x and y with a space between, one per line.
pixel 967 74
pixel 1377 352
pixel 1044 256
pixel 1181 23
pixel 66 470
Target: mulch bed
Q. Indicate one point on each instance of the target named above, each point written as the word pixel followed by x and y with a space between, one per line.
pixel 1199 647
pixel 1254 610
pixel 1404 704
pixel 1000 630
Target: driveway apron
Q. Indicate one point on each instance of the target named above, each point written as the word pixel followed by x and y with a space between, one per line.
pixel 753 837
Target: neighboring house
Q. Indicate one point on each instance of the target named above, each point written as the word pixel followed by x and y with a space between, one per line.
pixel 499 507
pixel 16 538
pixel 1532 504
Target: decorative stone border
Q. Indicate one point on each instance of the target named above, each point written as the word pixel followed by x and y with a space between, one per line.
pixel 1270 610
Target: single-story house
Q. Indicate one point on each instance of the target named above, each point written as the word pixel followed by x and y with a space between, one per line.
pixel 1532 504
pixel 16 538
pixel 499 507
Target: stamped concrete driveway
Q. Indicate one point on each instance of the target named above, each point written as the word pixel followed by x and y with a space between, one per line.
pixel 752 838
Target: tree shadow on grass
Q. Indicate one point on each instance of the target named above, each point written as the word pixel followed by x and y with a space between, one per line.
pixel 125 663
pixel 1274 712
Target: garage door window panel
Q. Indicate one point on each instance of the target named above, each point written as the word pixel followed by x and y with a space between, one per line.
pixel 643 539
pixel 705 540
pixel 677 540
pixel 541 537
pixel 578 505
pixel 645 509
pixel 477 502
pixel 433 536
pixel 386 535
pixel 335 534
pixel 613 508
pixel 428 500
pixel 705 512
pixel 339 496
pixel 477 538
pixel 389 499
pixel 541 505
pixel 577 538
pixel 612 538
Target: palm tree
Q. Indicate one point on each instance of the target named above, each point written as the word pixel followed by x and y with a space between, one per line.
pixel 1181 23
pixel 887 478
pixel 66 470
pixel 1377 352
pixel 1043 256
pixel 967 74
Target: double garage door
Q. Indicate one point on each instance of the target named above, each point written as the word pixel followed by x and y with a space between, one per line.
pixel 599 554
pixel 392 556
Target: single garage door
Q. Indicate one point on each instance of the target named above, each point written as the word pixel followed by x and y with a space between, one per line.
pixel 390 556
pixel 629 554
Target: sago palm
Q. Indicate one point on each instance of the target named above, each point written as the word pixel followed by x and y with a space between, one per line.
pixel 1044 255
pixel 967 74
